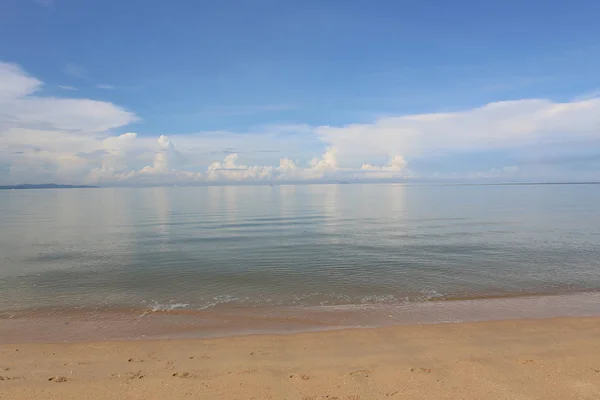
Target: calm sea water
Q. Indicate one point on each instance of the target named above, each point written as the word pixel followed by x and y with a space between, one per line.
pixel 301 246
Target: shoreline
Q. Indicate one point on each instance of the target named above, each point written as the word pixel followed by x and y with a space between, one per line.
pixel 553 358
pixel 77 325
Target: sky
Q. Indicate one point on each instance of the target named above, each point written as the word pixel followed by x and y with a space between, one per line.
pixel 194 92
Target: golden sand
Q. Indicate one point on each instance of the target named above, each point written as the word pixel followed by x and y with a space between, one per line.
pixel 524 359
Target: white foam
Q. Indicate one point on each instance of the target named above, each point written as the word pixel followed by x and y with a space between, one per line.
pixel 157 307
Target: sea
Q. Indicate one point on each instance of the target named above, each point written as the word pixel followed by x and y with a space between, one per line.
pixel 183 262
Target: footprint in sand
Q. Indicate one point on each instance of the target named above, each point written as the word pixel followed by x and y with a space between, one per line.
pixel 136 360
pixel 262 353
pixel 298 376
pixel 247 371
pixel 136 375
pixel 58 379
pixel 361 372
pixel 9 378
pixel 422 370
pixel 391 394
pixel 130 375
pixel 182 375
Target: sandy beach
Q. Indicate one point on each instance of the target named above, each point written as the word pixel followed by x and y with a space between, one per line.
pixel 519 359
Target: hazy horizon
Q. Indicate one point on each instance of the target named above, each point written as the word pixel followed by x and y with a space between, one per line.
pixel 322 182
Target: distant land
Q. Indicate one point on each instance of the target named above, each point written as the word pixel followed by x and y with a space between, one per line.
pixel 45 186
pixel 273 184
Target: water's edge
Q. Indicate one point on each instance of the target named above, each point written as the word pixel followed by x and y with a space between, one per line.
pixel 78 325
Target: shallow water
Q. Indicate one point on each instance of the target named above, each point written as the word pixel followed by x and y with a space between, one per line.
pixel 262 247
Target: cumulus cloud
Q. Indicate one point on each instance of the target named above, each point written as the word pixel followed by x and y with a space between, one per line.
pixel 22 109
pixel 229 169
pixel 397 163
pixel 14 83
pixel 327 162
pixel 395 169
pixel 40 137
pixel 166 157
pixel 497 125
pixel 66 140
pixel 321 167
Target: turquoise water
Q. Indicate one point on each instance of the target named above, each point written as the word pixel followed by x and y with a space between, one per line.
pixel 206 248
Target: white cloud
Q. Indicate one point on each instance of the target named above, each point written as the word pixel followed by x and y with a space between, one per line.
pixel 395 169
pixel 498 125
pixel 397 163
pixel 67 87
pixel 327 162
pixel 321 167
pixel 166 158
pixel 114 170
pixel 22 109
pixel 40 137
pixel 105 86
pixel 14 83
pixel 49 139
pixel 230 170
pixel 120 155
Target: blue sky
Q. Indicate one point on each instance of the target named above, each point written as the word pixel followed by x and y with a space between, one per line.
pixel 272 76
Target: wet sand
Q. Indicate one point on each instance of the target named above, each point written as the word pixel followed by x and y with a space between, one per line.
pixel 72 325
pixel 517 359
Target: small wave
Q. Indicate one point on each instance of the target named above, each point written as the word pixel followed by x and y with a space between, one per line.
pixel 217 300
pixel 303 300
pixel 158 307
pixel 378 299
pixel 155 306
pixel 428 295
